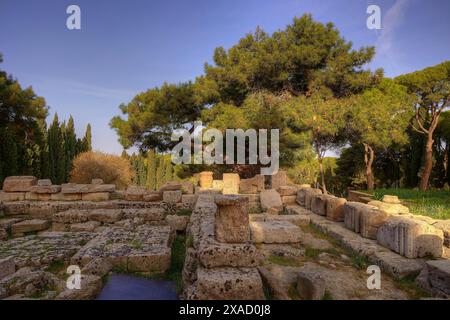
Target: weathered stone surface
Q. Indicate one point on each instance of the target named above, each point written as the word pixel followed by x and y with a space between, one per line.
pixel 271 201
pixel 335 208
pixel 411 238
pixel 29 226
pixel 309 193
pixel 301 195
pixel 7 267
pixel 91 286
pixel 287 190
pixel 135 193
pixel 310 285
pixel 391 199
pixel 45 189
pixel 231 183
pixel 206 179
pixel 170 186
pixel 117 195
pixel 178 223
pixel 105 215
pixel 213 254
pixel 66 196
pixel 12 196
pixel 89 226
pixel 97 267
pixel 69 188
pixel 438 272
pixel 71 216
pixel 144 248
pixel 217 185
pixel 371 220
pixel 172 196
pixel 3 234
pixel 95 196
pixel 391 208
pixel 97 181
pixel 30 196
pixel 189 200
pixel 279 179
pixel 231 220
pixel 352 215
pixel 154 214
pixel 319 204
pixel 274 232
pixel 153 196
pixel 229 284
pixel 44 182
pixel 19 183
pixel 187 187
pixel 252 185
pixel 288 200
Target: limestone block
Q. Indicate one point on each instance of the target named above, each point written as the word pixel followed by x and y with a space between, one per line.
pixel 97 181
pixel 152 196
pixel 271 201
pixel 91 286
pixel 96 196
pixel 89 226
pixel 71 216
pixel 310 285
pixel 171 186
pixel 439 277
pixel 29 226
pixel 189 200
pixel 279 179
pixel 391 199
pixel 371 221
pixel 252 185
pixel 410 237
pixel 274 231
pixel 172 196
pixel 309 193
pixel 65 196
pixel 157 261
pixel 45 189
pixel 60 227
pixel 287 191
pixel 229 284
pixel 391 208
pixel 3 234
pixel 231 220
pixel 319 204
pixel 19 183
pixel 216 254
pixel 335 208
pixel 135 193
pixel 44 182
pixel 105 215
pixel 231 183
pixel 206 179
pixel 31 196
pixel 301 196
pixel 12 196
pixel 288 200
pixel 177 223
pixel 352 215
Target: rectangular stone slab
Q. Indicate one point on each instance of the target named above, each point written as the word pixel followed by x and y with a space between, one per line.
pixel 275 231
pixel 19 183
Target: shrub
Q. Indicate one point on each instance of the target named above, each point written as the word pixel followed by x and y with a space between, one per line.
pixel 112 169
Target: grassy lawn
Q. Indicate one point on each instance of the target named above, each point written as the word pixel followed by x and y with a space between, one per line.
pixel 435 204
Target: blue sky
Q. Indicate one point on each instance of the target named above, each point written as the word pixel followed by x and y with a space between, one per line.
pixel 128 46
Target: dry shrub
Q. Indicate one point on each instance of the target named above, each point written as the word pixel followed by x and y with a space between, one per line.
pixel 93 164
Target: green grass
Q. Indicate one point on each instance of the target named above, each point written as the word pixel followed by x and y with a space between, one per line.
pixel 184 212
pixel 284 261
pixel 56 267
pixel 432 203
pixel 409 285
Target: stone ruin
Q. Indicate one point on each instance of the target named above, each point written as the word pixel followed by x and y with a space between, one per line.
pixel 101 229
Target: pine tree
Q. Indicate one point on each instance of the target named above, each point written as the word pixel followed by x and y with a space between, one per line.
pixel 151 170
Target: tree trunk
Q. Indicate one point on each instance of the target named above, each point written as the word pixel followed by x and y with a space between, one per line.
pixel 322 175
pixel 428 165
pixel 369 156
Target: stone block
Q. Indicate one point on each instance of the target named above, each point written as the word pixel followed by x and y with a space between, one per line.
pixel 439 277
pixel 371 220
pixel 319 204
pixel 45 189
pixel 352 215
pixel 189 200
pixel 206 179
pixel 391 199
pixel 97 181
pixel 391 208
pixel 217 185
pixel 287 191
pixel 19 183
pixel 187 187
pixel 288 200
pixel 135 193
pixel 229 284
pixel 7 267
pixel 271 201
pixel 411 238
pixel 177 223
pixel 231 183
pixel 30 196
pixel 171 186
pixel 157 261
pixel 89 226
pixel 279 179
pixel 172 196
pixel 153 196
pixel 71 216
pixel 29 226
pixel 105 215
pixel 252 185
pixel 335 209
pixel 309 193
pixel 44 182
pixel 274 231
pixel 231 220
pixel 310 285
pixel 95 196
pixel 301 196
pixel 65 197
pixel 12 196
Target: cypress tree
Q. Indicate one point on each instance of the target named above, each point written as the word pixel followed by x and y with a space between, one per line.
pixel 159 172
pixel 151 170
pixel 87 140
pixel 70 145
